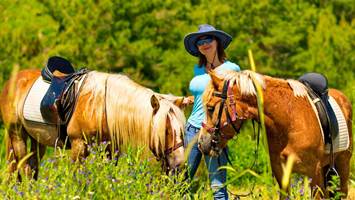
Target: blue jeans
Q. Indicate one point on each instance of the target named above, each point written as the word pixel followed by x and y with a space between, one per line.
pixel 217 177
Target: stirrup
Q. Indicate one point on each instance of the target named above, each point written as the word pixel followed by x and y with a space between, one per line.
pixel 56 144
pixel 328 176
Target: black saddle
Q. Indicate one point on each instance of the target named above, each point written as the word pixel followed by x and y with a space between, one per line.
pixel 59 101
pixel 317 85
pixel 56 63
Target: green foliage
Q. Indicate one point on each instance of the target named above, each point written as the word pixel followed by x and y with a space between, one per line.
pixel 144 39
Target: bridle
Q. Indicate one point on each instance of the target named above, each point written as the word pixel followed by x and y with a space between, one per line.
pixel 163 156
pixel 216 130
pixel 216 133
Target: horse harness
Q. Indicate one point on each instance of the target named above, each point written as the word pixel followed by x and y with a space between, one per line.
pixel 215 131
pixel 164 156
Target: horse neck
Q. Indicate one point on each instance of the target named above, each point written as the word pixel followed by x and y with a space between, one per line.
pixel 276 96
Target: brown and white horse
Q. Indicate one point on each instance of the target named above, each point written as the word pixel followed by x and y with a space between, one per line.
pixel 110 107
pixel 292 126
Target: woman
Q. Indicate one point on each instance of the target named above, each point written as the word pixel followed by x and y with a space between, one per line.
pixel 208 45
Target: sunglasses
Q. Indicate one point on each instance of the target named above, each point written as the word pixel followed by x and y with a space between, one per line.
pixel 206 40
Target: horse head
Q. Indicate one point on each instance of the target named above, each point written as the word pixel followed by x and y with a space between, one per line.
pixel 168 124
pixel 224 115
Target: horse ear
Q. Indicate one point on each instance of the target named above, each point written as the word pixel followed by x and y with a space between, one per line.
pixel 176 100
pixel 155 104
pixel 216 80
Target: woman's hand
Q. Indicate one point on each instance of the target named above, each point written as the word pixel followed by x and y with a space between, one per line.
pixel 188 100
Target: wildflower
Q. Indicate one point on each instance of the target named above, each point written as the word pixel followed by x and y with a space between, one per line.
pixel 302 191
pixel 15 188
pixel 88 182
pixel 300 180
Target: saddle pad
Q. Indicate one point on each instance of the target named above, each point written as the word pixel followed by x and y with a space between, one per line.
pixel 342 141
pixel 31 109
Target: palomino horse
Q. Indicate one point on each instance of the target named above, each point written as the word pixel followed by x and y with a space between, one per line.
pixel 110 107
pixel 292 126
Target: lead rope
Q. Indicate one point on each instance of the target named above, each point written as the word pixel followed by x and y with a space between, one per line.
pixel 252 166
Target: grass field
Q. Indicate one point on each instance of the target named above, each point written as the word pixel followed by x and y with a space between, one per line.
pixel 135 176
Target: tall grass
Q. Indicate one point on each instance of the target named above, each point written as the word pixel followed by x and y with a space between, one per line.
pixel 97 177
pixel 133 176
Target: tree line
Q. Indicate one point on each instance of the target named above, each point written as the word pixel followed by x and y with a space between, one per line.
pixel 144 39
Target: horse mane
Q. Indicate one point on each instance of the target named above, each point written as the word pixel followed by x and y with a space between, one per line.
pixel 299 90
pixel 128 110
pixel 244 81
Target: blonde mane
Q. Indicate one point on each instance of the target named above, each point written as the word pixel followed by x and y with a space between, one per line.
pixel 128 110
pixel 299 90
pixel 244 81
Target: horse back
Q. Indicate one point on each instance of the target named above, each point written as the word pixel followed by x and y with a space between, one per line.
pixel 13 94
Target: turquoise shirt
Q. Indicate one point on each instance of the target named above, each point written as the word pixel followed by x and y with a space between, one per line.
pixel 197 87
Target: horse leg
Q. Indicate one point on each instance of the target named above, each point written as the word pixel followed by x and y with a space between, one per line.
pixel 277 173
pixel 16 151
pixel 10 155
pixel 342 165
pixel 38 151
pixel 78 149
pixel 317 183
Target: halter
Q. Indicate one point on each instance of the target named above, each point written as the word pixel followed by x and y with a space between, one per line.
pixel 215 131
pixel 164 157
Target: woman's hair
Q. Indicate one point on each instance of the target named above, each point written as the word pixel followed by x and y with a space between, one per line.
pixel 220 52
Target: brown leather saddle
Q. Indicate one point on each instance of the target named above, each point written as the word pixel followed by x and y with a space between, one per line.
pixel 317 87
pixel 58 103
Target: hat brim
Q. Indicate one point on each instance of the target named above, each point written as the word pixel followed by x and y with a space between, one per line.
pixel 190 40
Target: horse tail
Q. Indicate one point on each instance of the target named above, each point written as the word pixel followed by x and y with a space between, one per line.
pixel 8 146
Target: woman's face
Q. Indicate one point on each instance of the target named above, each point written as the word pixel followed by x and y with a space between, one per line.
pixel 207 45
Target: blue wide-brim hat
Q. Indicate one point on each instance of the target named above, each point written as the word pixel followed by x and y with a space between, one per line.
pixel 205 29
